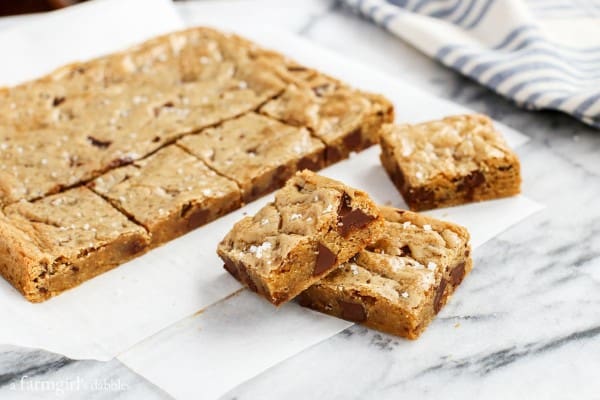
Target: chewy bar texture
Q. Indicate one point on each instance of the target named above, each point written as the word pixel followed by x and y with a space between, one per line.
pixel 332 111
pixel 107 125
pixel 169 193
pixel 62 240
pixel 402 280
pixel 257 152
pixel 314 225
pixel 86 118
pixel 452 161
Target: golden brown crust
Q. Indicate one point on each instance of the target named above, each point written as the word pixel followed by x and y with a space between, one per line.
pixel 62 240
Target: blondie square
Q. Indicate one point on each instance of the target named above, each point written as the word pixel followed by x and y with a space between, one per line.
pixel 456 160
pixel 58 242
pixel 314 225
pixel 259 153
pixel 401 280
pixel 344 118
pixel 169 193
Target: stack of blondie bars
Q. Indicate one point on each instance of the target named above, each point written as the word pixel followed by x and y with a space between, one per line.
pixel 340 253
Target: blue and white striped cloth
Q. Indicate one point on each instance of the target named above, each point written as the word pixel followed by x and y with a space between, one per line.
pixel 542 54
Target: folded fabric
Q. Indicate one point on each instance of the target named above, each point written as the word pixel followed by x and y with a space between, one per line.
pixel 542 54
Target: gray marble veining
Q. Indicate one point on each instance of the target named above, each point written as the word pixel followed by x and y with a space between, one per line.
pixel 528 326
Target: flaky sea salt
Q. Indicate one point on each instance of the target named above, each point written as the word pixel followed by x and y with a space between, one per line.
pixel 406 224
pixel 431 266
pixel 404 294
pixel 259 250
pixel 427 227
pixel 328 209
pixel 354 269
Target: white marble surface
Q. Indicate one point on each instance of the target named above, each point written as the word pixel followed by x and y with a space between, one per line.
pixel 526 324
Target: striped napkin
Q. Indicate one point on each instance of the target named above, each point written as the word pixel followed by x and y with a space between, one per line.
pixel 542 54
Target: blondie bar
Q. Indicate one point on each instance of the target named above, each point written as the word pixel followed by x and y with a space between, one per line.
pixel 401 280
pixel 456 160
pixel 56 243
pixel 344 118
pixel 169 193
pixel 314 225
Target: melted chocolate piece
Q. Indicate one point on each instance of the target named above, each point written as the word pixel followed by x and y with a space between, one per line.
pixel 197 218
pixel 349 219
pixel 470 183
pixel 420 197
pixel 406 251
pixel 353 141
pixel 57 101
pixel 326 259
pixel 239 273
pixel 308 163
pixel 102 144
pixel 332 155
pixel 231 267
pixel 119 162
pixel 439 296
pixel 457 274
pixel 353 311
pixel 135 246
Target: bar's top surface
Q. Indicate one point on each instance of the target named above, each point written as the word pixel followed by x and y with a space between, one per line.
pixel 454 146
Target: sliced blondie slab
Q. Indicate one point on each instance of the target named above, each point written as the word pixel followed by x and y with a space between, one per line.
pixel 259 153
pixel 314 225
pixel 58 242
pixel 169 193
pixel 400 281
pixel 456 160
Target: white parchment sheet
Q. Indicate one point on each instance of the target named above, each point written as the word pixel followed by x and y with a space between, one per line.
pixel 109 314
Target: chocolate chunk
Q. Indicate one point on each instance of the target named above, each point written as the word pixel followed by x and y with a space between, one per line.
pixel 353 141
pixel 239 273
pixel 157 110
pixel 245 278
pixel 420 196
pixel 398 178
pixel 332 155
pixel 74 161
pixel 353 311
pixel 326 259
pixel 308 163
pixel 231 267
pixel 439 296
pixel 119 162
pixel 470 183
pixel 197 218
pixel 57 101
pixel 405 251
pixel 135 246
pixel 349 219
pixel 102 144
pixel 457 274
